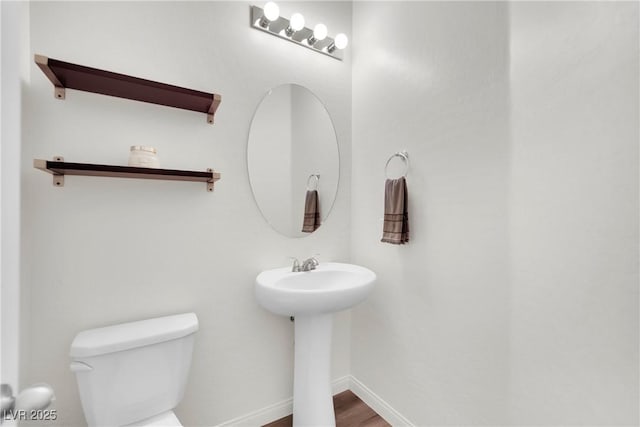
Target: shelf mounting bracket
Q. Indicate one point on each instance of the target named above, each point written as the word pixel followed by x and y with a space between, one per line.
pixel 210 183
pixel 58 179
pixel 59 92
pixel 43 62
pixel 213 107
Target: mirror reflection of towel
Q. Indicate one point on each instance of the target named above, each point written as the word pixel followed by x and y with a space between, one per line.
pixel 311 212
pixel 395 229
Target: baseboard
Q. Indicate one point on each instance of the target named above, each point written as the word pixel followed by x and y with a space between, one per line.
pixel 376 403
pixel 280 409
pixel 341 384
pixel 348 382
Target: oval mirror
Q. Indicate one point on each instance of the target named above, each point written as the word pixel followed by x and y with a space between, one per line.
pixel 293 160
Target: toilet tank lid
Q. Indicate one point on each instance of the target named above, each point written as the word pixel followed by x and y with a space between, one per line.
pixel 124 336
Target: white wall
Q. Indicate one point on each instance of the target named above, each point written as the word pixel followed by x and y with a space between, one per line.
pixel 574 213
pixel 108 250
pixel 516 301
pixel 432 338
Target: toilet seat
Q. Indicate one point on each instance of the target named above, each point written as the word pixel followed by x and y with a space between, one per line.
pixel 166 419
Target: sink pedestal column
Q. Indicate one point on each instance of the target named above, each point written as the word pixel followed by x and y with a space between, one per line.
pixel 312 397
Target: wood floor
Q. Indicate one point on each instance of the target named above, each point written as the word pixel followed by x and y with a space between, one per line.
pixel 350 412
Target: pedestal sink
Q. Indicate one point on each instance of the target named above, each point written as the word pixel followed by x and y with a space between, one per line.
pixel 312 297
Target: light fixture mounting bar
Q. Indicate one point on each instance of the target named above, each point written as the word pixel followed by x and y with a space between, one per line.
pixel 277 27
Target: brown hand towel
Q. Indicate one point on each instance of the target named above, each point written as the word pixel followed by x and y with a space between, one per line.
pixel 311 212
pixel 396 218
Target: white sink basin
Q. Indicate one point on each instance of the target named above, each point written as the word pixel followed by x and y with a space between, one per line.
pixel 312 297
pixel 330 287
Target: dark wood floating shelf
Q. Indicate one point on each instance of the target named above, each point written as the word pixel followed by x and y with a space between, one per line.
pixel 59 168
pixel 66 75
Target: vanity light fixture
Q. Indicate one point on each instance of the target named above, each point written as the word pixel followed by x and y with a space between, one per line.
pixel 294 30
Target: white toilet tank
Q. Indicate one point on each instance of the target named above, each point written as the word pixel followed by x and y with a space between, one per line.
pixel 133 371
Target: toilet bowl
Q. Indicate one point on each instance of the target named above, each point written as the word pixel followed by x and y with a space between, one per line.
pixel 134 374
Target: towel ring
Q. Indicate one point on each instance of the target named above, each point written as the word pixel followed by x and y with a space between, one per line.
pixel 405 158
pixel 317 177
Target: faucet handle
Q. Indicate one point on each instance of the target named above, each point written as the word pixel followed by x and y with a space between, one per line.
pixel 313 259
pixel 309 264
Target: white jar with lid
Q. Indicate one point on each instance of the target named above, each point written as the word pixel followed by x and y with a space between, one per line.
pixel 143 157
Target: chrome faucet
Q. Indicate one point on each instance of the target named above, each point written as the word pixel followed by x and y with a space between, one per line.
pixel 309 264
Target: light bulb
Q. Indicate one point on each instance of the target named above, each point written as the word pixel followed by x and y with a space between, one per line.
pixel 271 11
pixel 320 32
pixel 341 41
pixel 297 22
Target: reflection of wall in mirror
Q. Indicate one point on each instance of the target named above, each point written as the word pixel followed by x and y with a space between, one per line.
pixel 313 151
pixel 270 159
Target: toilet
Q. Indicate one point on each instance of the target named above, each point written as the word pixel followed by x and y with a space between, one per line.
pixel 134 374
